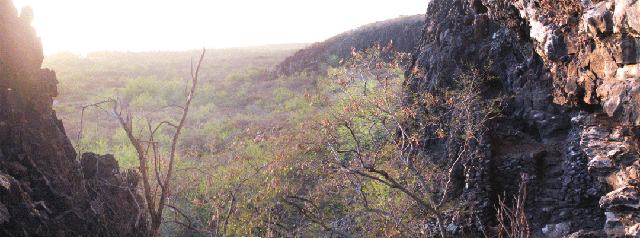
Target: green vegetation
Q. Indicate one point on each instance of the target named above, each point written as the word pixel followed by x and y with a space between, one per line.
pixel 266 155
pixel 231 161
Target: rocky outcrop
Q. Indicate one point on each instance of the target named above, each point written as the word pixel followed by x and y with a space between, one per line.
pixel 570 72
pixel 43 191
pixel 404 32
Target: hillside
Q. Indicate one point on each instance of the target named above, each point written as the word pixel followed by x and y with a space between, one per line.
pixel 512 119
pixel 404 32
pixel 237 102
pixel 232 82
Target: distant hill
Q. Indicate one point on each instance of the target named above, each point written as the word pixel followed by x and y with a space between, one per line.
pixel 404 31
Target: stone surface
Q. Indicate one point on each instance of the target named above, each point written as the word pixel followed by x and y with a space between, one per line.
pixel 556 230
pixel 43 191
pixel 94 165
pixel 621 199
pixel 570 70
pixel 613 226
pixel 585 234
pixel 633 231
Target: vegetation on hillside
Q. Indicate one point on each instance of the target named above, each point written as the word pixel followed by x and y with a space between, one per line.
pixel 229 156
pixel 403 31
pixel 297 155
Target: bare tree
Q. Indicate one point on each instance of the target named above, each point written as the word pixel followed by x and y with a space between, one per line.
pixel 512 221
pixel 148 150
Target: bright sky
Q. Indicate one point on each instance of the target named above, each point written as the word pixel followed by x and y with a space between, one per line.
pixel 142 25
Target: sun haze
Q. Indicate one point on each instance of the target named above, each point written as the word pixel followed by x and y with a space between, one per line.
pixel 144 25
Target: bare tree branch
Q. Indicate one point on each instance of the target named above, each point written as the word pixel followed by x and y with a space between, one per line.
pixel 313 217
pixel 155 205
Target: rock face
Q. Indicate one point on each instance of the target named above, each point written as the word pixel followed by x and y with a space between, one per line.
pixel 43 191
pixel 571 120
pixel 403 31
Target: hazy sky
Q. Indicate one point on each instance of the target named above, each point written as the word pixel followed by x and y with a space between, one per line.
pixel 134 25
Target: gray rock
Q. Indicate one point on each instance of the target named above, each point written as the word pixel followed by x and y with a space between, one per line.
pixel 621 198
pixel 600 163
pixel 613 226
pixel 633 231
pixel 557 230
pixel 598 19
pixel 627 16
pixel 582 55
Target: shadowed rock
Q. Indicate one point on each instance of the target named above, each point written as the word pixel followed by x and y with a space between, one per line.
pixel 570 70
pixel 43 192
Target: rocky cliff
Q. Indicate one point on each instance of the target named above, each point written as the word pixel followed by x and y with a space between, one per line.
pixel 44 189
pixel 404 32
pixel 570 72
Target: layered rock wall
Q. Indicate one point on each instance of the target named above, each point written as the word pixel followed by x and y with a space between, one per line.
pixel 43 191
pixel 569 71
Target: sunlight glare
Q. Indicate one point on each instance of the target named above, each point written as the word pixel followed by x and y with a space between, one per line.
pixel 83 26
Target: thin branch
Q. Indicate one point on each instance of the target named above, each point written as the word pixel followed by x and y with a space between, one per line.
pixel 182 214
pixel 176 135
pixel 98 105
pixel 162 108
pixel 388 215
pixel 313 218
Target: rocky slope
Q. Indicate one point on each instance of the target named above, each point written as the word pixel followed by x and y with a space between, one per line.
pixel 403 31
pixel 44 189
pixel 570 70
